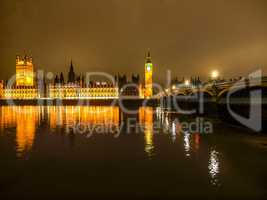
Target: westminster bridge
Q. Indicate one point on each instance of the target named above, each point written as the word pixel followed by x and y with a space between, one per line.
pixel 218 99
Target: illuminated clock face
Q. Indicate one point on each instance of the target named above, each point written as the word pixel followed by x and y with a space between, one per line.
pixel 148 68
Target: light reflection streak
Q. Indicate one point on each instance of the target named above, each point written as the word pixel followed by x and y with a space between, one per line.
pixel 173 131
pixel 26 120
pixel 197 141
pixel 214 167
pixel 146 119
pixel 69 115
pixel 187 143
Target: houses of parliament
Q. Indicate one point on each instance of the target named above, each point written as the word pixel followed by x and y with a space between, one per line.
pixel 27 84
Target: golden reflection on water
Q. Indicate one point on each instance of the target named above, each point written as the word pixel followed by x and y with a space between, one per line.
pixel 105 115
pixel 27 118
pixel 146 119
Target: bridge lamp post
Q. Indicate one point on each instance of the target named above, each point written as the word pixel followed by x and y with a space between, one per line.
pixel 214 74
pixel 167 91
pixel 214 77
pixel 187 83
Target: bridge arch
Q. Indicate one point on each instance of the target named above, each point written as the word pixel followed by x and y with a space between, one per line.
pixel 179 94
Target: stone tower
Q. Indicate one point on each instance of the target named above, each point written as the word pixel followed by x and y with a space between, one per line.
pixel 148 90
pixel 24 71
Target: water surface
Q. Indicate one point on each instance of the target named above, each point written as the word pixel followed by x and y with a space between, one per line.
pixel 42 154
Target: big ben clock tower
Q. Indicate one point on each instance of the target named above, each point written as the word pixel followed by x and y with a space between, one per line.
pixel 148 76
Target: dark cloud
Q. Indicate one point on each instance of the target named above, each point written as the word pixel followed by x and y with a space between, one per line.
pixel 189 37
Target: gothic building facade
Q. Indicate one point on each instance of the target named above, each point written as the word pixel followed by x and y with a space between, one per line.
pixel 28 86
pixel 77 88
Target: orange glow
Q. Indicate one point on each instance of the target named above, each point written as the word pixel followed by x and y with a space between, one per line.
pixel 77 92
pixel 214 74
pixel 148 90
pixel 1 89
pixel 25 119
pixel 24 71
pixel 197 140
pixel 20 93
pixel 146 119
pixel 148 80
pixel 66 115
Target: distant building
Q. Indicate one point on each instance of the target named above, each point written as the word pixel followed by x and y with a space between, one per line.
pixel 148 87
pixel 24 71
pixel 76 88
pixel 130 88
pixel 71 74
pixel 134 88
pixel 25 85
pixel 1 89
pixel 20 92
pixel 100 90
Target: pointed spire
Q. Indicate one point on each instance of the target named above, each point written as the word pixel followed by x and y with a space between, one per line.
pixel 62 78
pixel 148 53
pixel 71 65
pixel 71 75
pixel 148 56
pixel 56 81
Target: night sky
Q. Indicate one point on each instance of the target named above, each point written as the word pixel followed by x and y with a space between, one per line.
pixel 189 37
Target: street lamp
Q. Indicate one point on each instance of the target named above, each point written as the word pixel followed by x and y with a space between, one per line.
pixel 187 82
pixel 214 74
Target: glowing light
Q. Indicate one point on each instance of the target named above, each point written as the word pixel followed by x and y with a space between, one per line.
pixel 173 131
pixel 214 167
pixel 214 74
pixel 20 93
pixel 187 143
pixel 77 92
pixel 25 119
pixel 173 87
pixel 24 72
pixel 148 91
pixel 146 119
pixel 28 80
pixel 187 82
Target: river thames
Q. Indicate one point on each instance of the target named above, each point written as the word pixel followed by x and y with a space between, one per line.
pixel 69 151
